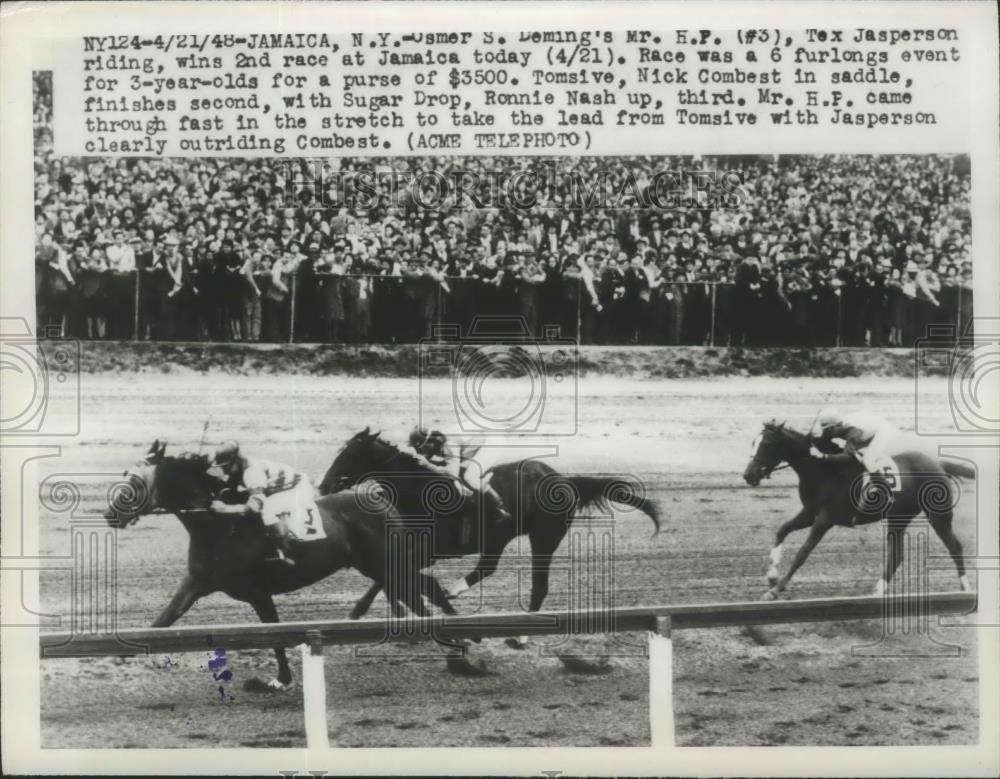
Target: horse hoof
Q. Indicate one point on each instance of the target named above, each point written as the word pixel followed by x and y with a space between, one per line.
pixel 758 634
pixel 516 643
pixel 255 685
pixel 462 666
pixel 581 665
pixel 771 594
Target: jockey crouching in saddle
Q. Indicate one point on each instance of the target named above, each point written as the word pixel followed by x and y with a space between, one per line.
pixel 468 463
pixel 866 437
pixel 277 492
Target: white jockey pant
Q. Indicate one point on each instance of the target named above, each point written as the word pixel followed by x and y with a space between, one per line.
pixel 288 503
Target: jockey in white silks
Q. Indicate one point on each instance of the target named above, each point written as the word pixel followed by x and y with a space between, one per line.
pixel 276 492
pixel 866 436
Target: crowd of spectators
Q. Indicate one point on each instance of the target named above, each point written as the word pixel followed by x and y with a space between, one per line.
pixel 820 250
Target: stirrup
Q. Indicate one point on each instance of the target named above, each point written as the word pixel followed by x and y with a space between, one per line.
pixel 281 559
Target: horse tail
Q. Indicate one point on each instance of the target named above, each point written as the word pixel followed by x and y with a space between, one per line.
pixel 600 490
pixel 953 468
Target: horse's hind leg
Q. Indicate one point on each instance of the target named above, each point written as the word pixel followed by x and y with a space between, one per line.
pixel 266 611
pixel 365 602
pixel 894 536
pixel 942 524
pixel 435 593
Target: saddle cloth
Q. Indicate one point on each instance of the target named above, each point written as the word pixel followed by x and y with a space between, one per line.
pixel 885 468
pixel 296 510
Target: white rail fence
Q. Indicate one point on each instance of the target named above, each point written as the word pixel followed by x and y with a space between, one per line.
pixel 658 621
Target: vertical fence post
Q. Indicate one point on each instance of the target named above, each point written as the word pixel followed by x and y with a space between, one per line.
pixel 958 313
pixel 661 685
pixel 579 313
pixel 291 308
pixel 839 321
pixel 711 326
pixel 135 313
pixel 314 693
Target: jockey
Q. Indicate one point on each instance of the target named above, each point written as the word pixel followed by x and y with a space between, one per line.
pixel 434 447
pixel 865 436
pixel 274 490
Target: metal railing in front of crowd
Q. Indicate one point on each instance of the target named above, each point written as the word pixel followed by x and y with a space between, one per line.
pixel 330 308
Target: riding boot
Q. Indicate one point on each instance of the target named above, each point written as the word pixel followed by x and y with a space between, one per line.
pixel 495 505
pixel 276 534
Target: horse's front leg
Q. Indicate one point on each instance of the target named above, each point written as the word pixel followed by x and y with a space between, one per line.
pixel 816 533
pixel 185 597
pixel 486 566
pixel 800 521
pixel 267 612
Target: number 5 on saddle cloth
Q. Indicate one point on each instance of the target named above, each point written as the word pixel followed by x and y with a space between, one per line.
pixel 295 509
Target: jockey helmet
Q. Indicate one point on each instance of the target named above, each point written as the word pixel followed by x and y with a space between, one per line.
pixel 418 437
pixel 227 454
pixel 829 417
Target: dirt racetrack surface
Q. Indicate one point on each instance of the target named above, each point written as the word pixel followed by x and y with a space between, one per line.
pixel 688 440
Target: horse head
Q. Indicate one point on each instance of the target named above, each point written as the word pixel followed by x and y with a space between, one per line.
pixel 776 444
pixel 363 453
pixel 161 484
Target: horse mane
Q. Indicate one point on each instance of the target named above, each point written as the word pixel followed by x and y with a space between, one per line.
pixel 406 458
pixel 787 431
pixel 192 460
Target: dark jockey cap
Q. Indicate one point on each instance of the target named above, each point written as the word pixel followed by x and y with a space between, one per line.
pixel 418 437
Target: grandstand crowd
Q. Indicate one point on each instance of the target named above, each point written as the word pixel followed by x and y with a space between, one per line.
pixel 811 250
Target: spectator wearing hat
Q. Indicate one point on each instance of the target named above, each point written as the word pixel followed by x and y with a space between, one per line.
pixel 330 269
pixel 94 296
pixel 53 283
pixel 225 289
pixel 175 290
pixel 965 310
pixel 926 303
pixel 277 298
pixel 612 327
pixel 877 315
pixel 120 286
pixel 309 322
pixel 251 304
pixel 531 278
pixel 746 298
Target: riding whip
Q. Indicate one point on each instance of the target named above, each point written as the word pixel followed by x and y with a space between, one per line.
pixel 204 433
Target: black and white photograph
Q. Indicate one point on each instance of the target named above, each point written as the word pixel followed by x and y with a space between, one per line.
pixel 501 416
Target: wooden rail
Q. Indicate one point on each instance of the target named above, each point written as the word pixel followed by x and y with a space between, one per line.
pixel 659 621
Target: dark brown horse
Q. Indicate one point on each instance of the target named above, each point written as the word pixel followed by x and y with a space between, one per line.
pixel 842 493
pixel 229 553
pixel 542 502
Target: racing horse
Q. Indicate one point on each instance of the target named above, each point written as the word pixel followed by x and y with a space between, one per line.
pixel 542 502
pixel 844 493
pixel 229 553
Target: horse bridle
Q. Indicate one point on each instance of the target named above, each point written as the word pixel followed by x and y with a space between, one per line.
pixel 766 473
